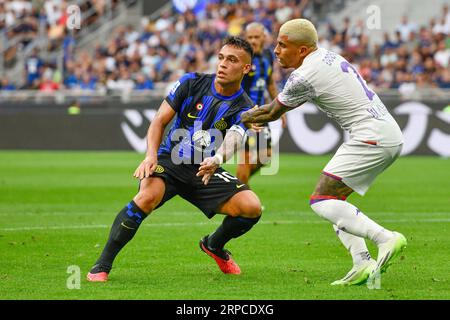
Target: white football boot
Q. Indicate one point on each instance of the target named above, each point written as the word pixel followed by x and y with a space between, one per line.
pixel 358 275
pixel 390 250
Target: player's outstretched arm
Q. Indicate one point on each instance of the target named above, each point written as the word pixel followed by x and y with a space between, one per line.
pixel 233 139
pixel 273 92
pixel 154 136
pixel 264 113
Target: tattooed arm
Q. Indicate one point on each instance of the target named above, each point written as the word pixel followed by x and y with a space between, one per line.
pixel 233 139
pixel 273 92
pixel 264 113
pixel 296 91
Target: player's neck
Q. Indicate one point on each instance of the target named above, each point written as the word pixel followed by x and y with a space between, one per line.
pixel 228 89
pixel 303 58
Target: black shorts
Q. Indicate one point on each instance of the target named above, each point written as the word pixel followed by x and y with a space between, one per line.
pixel 259 141
pixel 181 179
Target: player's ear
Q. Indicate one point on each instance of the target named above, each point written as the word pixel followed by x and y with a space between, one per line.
pixel 247 68
pixel 302 50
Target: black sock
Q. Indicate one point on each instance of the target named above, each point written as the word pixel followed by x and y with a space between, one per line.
pixel 231 227
pixel 122 231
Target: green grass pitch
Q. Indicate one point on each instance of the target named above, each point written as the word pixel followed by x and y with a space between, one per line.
pixel 56 209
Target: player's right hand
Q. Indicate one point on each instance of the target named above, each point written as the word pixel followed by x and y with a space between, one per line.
pixel 146 168
pixel 245 118
pixel 257 127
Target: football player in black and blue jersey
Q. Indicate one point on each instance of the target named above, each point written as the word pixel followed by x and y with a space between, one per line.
pixel 187 163
pixel 258 146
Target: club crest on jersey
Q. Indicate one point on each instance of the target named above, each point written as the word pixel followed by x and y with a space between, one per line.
pixel 221 124
pixel 199 106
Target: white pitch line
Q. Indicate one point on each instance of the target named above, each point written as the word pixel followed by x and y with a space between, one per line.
pixel 182 213
pixel 190 224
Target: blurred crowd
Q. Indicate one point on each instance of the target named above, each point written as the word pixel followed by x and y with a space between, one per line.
pixel 181 41
pixel 21 21
pixel 415 57
pixel 169 46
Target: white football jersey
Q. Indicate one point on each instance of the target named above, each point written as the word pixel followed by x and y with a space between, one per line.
pixel 335 87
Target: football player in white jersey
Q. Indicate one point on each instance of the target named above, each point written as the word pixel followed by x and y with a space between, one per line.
pixel 335 87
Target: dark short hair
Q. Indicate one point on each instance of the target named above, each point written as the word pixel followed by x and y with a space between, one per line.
pixel 240 43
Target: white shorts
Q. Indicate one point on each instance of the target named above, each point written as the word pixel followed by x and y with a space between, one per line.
pixel 357 164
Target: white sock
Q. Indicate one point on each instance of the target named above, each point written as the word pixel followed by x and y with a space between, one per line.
pixel 350 219
pixel 355 245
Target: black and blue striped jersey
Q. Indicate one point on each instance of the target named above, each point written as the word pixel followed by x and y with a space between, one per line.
pixel 202 114
pixel 256 81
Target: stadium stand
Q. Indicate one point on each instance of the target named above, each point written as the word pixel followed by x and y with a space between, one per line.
pixel 150 55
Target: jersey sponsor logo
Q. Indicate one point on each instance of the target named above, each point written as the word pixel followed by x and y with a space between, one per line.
pixel 221 124
pixel 191 116
pixel 201 139
pixel 159 169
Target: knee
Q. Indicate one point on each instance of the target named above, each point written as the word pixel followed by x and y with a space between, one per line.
pixel 325 206
pixel 146 200
pixel 251 208
pixel 317 204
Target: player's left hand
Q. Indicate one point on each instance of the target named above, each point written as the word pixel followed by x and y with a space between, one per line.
pixel 207 168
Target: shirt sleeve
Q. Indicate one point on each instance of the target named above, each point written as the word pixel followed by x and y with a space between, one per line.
pixel 296 91
pixel 180 91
